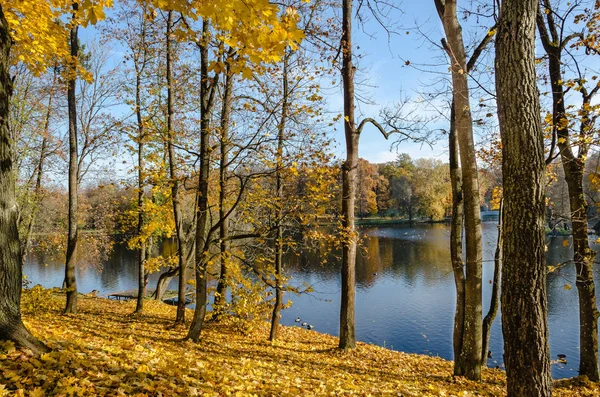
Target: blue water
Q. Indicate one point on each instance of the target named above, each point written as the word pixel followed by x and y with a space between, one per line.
pixel 405 291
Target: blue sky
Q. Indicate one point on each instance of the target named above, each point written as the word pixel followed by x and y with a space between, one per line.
pixel 383 67
pixel 390 79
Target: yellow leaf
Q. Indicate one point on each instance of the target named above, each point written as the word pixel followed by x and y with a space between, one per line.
pixel 9 347
pixel 46 357
pixel 567 287
pixel 37 392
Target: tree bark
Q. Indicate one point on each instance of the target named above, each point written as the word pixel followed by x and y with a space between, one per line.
pixel 584 261
pixel 573 167
pixel 488 320
pixel 11 277
pixel 142 275
pixel 523 301
pixel 202 226
pixel 349 168
pixel 177 214
pixel 223 178
pixel 275 317
pixel 456 244
pixel 469 364
pixel 71 259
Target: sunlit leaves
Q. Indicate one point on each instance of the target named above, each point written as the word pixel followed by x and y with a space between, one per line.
pixel 255 28
pixel 37 36
pixel 38 31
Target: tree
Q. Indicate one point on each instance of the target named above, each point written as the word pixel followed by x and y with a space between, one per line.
pixel 523 300
pixel 399 174
pixel 41 41
pixel 469 361
pixel 271 150
pixel 202 224
pixel 91 137
pixel 33 111
pixel 71 258
pixel 279 192
pixel 271 36
pixel 11 325
pixel 352 132
pixel 131 26
pixel 555 43
pixel 175 190
pixel 430 187
pixel 494 300
pixel 224 186
pixel 368 183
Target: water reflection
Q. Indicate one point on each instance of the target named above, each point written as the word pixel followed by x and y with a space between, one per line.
pixel 405 290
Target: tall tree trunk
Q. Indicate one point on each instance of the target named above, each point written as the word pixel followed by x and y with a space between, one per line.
pixel 275 317
pixel 223 178
pixel 71 260
pixel 202 226
pixel 456 244
pixel 493 311
pixel 573 167
pixel 584 261
pixel 11 277
pixel 142 276
pixel 347 326
pixel 469 364
pixel 177 215
pixel 523 301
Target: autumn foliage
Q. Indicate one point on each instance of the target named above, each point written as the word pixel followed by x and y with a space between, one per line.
pixel 107 351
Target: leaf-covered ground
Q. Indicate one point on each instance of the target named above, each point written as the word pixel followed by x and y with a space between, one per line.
pixel 104 350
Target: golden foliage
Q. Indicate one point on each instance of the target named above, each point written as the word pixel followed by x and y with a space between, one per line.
pixel 255 28
pixel 497 193
pixel 39 38
pixel 106 351
pixel 36 35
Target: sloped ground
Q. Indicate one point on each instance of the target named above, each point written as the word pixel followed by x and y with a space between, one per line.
pixel 106 351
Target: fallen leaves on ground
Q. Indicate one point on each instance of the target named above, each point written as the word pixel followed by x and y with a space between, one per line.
pixel 106 351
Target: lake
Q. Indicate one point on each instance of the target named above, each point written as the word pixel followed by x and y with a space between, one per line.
pixel 405 290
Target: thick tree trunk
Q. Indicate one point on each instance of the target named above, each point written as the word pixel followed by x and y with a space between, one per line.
pixel 177 214
pixel 202 226
pixel 488 320
pixel 11 277
pixel 456 245
pixel 469 364
pixel 523 302
pixel 349 168
pixel 71 260
pixel 275 317
pixel 223 178
pixel 142 276
pixel 573 167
